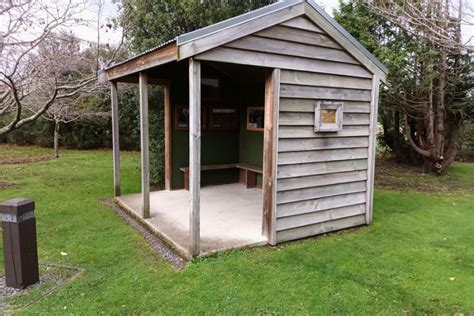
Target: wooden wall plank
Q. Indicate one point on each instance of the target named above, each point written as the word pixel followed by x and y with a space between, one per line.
pixel 307 119
pixel 308 132
pixel 302 23
pixel 298 36
pixel 270 152
pixel 195 156
pixel 372 148
pixel 320 228
pixel 321 180
pixel 321 204
pixel 296 144
pixel 307 105
pixel 145 147
pixel 297 157
pixel 306 92
pixel 319 217
pixel 319 192
pixel 309 169
pixel 342 40
pixel 275 46
pixel 324 80
pixel 115 137
pixel 236 56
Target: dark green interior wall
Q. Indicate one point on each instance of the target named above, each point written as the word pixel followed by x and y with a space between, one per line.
pixel 217 147
pixel 251 142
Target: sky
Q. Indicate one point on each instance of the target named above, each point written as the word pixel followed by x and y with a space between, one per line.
pixel 110 10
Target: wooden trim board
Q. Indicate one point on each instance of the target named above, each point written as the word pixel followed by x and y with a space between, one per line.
pixel 270 151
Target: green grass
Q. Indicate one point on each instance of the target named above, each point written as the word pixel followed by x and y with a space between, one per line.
pixel 404 262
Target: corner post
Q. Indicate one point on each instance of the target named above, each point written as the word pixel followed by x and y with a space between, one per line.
pixel 372 146
pixel 145 160
pixel 168 150
pixel 270 151
pixel 195 155
pixel 115 138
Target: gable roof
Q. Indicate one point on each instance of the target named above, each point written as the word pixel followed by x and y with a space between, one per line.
pixel 207 38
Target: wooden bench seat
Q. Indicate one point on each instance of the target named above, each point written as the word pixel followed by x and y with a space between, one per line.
pixel 250 172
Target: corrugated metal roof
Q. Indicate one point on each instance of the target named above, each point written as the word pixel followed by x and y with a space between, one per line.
pixel 144 53
pixel 191 36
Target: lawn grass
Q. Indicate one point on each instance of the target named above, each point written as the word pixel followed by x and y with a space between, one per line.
pixel 417 257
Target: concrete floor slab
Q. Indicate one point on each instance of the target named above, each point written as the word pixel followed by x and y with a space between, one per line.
pixel 231 216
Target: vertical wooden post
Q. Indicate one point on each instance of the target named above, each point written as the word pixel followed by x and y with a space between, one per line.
pixel 195 154
pixel 168 143
pixel 115 138
pixel 372 146
pixel 270 144
pixel 145 160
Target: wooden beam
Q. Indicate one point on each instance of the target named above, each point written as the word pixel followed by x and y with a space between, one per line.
pixel 115 138
pixel 216 39
pixel 272 101
pixel 145 157
pixel 143 62
pixel 168 139
pixel 372 147
pixel 195 155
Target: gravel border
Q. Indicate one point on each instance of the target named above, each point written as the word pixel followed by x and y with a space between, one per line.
pixel 154 241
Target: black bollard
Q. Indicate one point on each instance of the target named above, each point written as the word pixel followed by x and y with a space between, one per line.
pixel 19 243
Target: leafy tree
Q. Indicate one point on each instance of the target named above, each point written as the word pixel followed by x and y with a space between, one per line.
pixel 148 23
pixel 428 96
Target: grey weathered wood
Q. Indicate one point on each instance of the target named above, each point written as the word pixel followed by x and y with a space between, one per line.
pixel 307 105
pixel 298 36
pixel 319 192
pixel 297 157
pixel 270 152
pixel 324 80
pixel 144 136
pixel 302 23
pixel 319 217
pixel 195 155
pixel 343 41
pixel 371 149
pixel 307 119
pixel 122 71
pixel 320 228
pixel 308 132
pixel 305 144
pixel 308 169
pixel 217 39
pixel 115 137
pixel 237 56
pixel 321 180
pixel 321 204
pixel 275 46
pixel 168 138
pixel 307 92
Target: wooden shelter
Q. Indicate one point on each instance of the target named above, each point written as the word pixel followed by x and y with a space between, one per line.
pixel 270 124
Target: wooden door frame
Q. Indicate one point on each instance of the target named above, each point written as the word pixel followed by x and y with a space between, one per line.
pixel 270 152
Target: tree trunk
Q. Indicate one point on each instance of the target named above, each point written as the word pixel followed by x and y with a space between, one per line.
pixel 56 139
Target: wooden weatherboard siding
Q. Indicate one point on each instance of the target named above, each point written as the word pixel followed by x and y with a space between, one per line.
pixel 321 178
